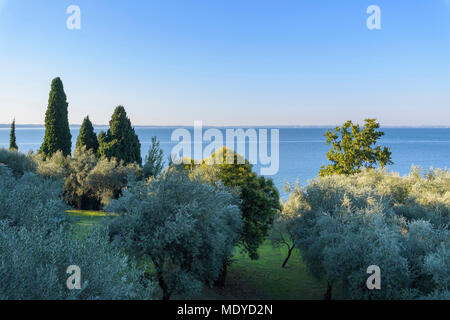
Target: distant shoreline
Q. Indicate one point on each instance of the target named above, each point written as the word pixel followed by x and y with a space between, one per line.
pixel 232 126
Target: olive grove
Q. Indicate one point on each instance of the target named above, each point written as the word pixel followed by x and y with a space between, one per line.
pixel 401 224
pixel 37 245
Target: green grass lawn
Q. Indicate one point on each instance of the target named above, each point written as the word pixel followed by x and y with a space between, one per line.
pixel 246 279
pixel 266 279
pixel 84 219
pixel 87 218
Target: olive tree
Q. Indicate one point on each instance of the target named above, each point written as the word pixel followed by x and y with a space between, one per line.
pixel 57 132
pixel 18 162
pixel 186 228
pixel 89 182
pixel 259 198
pixel 284 228
pixel 38 244
pixel 347 223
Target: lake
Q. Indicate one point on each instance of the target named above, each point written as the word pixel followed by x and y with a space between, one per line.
pixel 302 150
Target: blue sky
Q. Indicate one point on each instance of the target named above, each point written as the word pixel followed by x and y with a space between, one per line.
pixel 229 62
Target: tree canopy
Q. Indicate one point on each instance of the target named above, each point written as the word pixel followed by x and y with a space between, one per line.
pixel 352 148
pixel 120 141
pixel 260 199
pixel 38 244
pixel 87 137
pixel 57 131
pixel 187 228
pixel 89 182
pixel 400 224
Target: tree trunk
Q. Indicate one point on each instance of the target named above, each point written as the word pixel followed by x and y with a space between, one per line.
pixel 287 258
pixel 220 282
pixel 161 282
pixel 164 288
pixel 328 294
pixel 166 296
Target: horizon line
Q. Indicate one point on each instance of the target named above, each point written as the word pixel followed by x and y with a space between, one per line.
pixel 241 125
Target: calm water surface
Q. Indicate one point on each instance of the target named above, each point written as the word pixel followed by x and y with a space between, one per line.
pixel 302 150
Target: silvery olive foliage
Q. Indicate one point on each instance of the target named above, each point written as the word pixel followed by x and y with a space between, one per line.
pixel 186 228
pixel 89 182
pixel 38 243
pixel 401 224
pixel 18 162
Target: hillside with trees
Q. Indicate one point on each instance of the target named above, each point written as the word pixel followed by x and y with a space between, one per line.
pixel 174 231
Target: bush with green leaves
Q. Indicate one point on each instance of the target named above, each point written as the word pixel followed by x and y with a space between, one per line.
pixel 38 244
pixel 185 227
pixel 401 224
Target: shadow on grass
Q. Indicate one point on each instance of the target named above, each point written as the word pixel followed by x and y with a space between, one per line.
pixel 266 279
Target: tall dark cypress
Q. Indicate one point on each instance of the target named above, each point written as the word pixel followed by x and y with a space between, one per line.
pixel 57 132
pixel 120 141
pixel 87 136
pixel 12 137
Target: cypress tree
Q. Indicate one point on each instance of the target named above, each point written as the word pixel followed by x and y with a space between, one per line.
pixel 120 141
pixel 87 136
pixel 57 132
pixel 12 137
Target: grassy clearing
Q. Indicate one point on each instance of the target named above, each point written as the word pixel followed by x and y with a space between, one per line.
pixel 84 218
pixel 271 280
pixel 87 218
pixel 247 279
pixel 266 279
